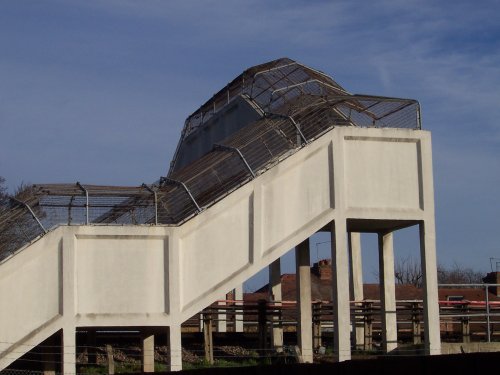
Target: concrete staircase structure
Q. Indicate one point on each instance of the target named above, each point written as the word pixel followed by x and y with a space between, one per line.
pixel 349 179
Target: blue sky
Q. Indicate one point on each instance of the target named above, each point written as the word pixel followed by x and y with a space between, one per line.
pixel 97 91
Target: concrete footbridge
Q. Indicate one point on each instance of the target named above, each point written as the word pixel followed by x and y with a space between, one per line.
pixel 280 153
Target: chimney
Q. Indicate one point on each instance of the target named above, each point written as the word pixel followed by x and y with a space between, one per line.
pixel 323 269
pixel 493 278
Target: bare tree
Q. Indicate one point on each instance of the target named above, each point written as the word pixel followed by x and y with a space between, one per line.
pixel 459 275
pixel 407 271
pixel 3 192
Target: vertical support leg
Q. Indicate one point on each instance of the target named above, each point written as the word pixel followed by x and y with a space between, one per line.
pixel 303 275
pixel 175 347
pixel 275 296
pixel 429 273
pixel 68 351
pixel 387 292
pixel 356 288
pixel 208 338
pixel 148 352
pixel 340 281
pixel 238 296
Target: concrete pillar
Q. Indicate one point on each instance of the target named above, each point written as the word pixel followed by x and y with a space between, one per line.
pixel 430 285
pixel 275 295
pixel 148 352
pixel 222 316
pixel 68 351
pixel 238 296
pixel 356 288
pixel 387 292
pixel 340 282
pixel 175 347
pixel 303 278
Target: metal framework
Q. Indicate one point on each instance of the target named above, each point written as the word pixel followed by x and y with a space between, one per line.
pixel 298 104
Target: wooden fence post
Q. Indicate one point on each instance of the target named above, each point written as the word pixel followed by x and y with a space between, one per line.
pixel 368 320
pixel 208 338
pixel 262 318
pixel 111 360
pixel 416 324
pixel 317 308
pixel 465 324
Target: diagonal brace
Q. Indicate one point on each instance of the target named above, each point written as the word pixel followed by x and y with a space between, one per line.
pixel 234 149
pixel 30 210
pixel 169 181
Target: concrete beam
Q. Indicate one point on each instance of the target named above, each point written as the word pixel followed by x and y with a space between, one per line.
pixel 387 292
pixel 303 277
pixel 340 279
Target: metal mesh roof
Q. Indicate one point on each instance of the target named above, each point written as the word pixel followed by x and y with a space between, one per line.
pixel 300 104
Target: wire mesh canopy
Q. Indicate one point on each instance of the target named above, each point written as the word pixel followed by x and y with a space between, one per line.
pixel 298 105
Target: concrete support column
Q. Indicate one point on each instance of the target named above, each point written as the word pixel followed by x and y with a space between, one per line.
pixel 238 296
pixel 68 351
pixel 387 292
pixel 303 278
pixel 340 283
pixel 148 352
pixel 429 273
pixel 275 295
pixel 356 288
pixel 175 347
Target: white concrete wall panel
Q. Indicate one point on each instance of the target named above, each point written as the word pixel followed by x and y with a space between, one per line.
pixel 382 172
pixel 296 196
pixel 215 249
pixel 29 290
pixel 120 274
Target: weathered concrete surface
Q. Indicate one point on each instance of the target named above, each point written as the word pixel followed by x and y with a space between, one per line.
pixel 472 347
pixel 97 276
